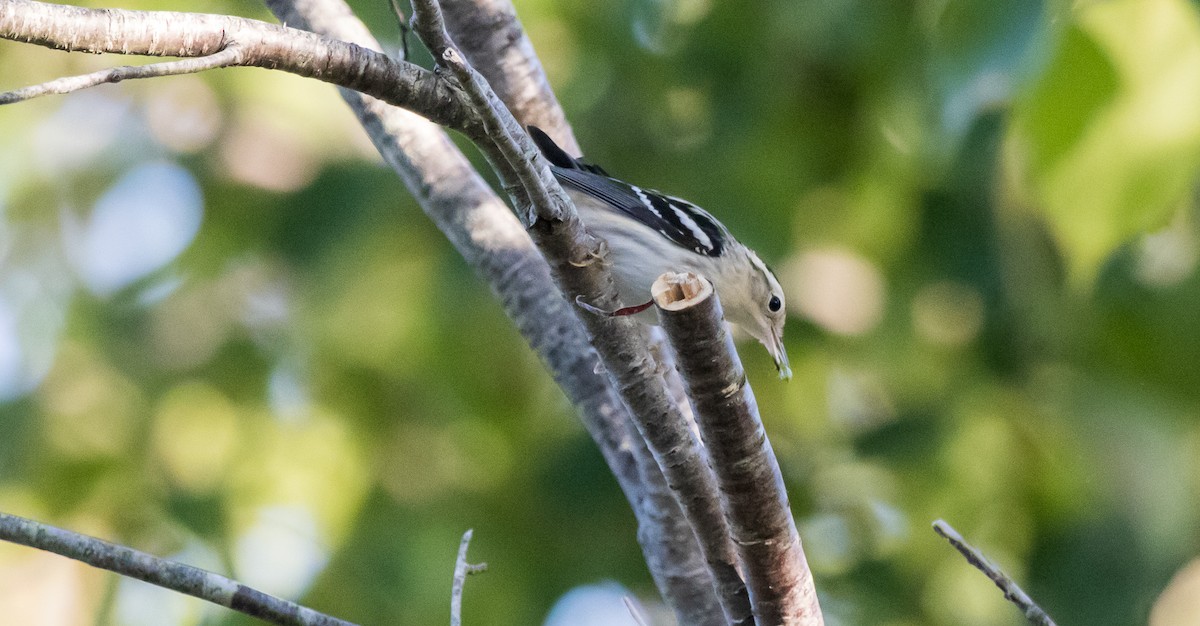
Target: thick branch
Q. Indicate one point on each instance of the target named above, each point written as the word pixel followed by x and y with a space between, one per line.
pixel 490 34
pixel 1012 592
pixel 491 37
pixel 167 574
pixel 752 491
pixel 662 425
pixel 177 34
pixel 582 272
pixel 491 240
pixel 161 33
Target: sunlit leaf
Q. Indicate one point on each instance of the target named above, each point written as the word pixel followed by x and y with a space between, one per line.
pixel 1076 87
pixel 1113 126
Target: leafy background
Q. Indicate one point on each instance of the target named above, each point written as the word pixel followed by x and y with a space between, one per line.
pixel 227 335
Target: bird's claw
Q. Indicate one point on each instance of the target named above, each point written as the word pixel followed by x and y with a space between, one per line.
pixel 591 256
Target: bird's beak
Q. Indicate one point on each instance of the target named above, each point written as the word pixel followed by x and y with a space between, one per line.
pixel 779 353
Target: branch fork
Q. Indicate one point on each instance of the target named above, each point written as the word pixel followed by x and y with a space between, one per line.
pixel 196 36
pixel 457 96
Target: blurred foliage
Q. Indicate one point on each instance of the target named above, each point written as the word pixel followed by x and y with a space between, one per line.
pixel 984 214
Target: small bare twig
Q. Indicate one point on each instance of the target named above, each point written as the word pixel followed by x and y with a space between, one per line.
pixel 402 22
pixel 462 569
pixel 635 613
pixel 1012 592
pixel 198 35
pixel 508 135
pixel 231 55
pixel 167 574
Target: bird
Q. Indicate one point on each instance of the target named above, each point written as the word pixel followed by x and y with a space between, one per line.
pixel 649 233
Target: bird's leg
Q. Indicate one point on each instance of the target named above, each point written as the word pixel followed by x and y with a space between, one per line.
pixel 629 310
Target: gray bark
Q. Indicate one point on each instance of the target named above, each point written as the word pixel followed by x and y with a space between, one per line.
pixel 459 97
pixel 162 33
pixel 491 240
pixel 578 263
pixel 752 492
pixel 185 579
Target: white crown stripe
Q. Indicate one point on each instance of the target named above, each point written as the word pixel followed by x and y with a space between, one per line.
pixel 762 267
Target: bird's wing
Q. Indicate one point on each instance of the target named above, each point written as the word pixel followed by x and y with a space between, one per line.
pixel 680 221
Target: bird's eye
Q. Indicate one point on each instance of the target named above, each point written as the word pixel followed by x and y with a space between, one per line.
pixel 774 304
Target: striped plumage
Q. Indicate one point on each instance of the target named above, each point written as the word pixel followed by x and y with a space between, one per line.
pixel 650 233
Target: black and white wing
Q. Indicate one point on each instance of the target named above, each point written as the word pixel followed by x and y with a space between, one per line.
pixel 678 220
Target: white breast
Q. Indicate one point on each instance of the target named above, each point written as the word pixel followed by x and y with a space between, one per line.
pixel 638 254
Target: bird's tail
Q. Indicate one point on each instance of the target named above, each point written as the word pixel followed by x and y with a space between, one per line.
pixel 559 157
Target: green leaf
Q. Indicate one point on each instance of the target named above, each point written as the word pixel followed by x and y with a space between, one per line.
pixel 1112 128
pixel 1078 85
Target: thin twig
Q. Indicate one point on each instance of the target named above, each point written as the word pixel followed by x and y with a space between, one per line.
pixel 231 55
pixel 508 136
pixel 186 579
pixel 270 46
pixel 753 496
pixel 490 35
pixel 635 612
pixel 402 22
pixel 462 569
pixel 1012 592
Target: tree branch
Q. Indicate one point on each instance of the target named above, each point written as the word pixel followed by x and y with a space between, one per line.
pixel 574 253
pixel 504 132
pixel 229 56
pixel 755 500
pixel 461 570
pixel 163 33
pixel 581 271
pixel 1012 592
pixel 161 572
pixel 491 241
pixel 490 35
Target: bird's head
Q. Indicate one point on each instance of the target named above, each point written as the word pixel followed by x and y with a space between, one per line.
pixel 757 306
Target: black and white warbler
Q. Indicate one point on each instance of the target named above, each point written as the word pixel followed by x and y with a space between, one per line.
pixel 650 233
